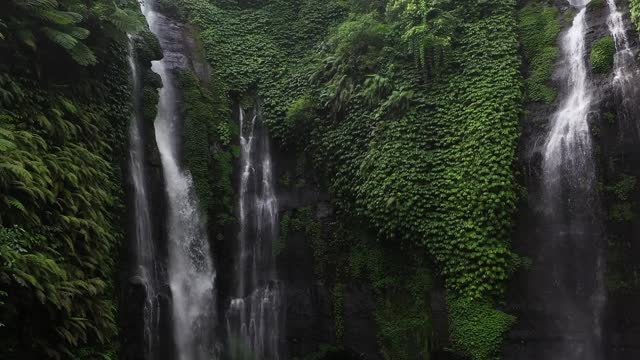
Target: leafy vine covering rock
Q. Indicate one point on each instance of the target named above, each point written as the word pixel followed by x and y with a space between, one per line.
pixel 410 109
pixel 602 53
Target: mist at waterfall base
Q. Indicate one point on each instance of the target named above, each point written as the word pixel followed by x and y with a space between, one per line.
pixel 253 317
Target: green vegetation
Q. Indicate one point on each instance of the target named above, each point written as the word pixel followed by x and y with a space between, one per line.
pixel 634 9
pixel 402 287
pixel 602 53
pixel 478 328
pixel 622 207
pixel 199 125
pixel 538 29
pixel 208 134
pixel 36 25
pixel 411 118
pixel 63 118
pixel 405 111
pixel 622 270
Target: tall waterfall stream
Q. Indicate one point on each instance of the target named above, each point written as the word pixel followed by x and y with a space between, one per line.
pixel 253 317
pixel 191 273
pixel 573 245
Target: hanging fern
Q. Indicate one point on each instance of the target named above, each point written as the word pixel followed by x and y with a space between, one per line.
pixel 64 23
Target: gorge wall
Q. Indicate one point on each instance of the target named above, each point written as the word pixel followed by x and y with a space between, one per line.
pixel 386 179
pixel 332 309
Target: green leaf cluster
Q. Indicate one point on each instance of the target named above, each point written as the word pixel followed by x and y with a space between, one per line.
pixel 602 53
pixel 538 29
pixel 634 9
pixel 209 155
pixel 477 328
pixel 68 24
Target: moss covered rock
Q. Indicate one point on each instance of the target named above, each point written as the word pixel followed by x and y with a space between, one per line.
pixel 602 53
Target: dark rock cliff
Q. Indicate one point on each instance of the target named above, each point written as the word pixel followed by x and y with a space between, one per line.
pixel 310 301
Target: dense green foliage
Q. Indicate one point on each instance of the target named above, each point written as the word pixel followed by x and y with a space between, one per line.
pixel 209 153
pixel 479 325
pixel 37 24
pixel 602 52
pixel 411 116
pixel 538 29
pixel 634 8
pixel 62 133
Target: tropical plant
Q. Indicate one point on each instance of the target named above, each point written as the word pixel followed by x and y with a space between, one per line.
pixel 64 23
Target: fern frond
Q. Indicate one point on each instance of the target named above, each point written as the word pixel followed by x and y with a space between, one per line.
pixel 61 38
pixel 60 17
pixel 83 56
pixel 37 4
pixel 78 32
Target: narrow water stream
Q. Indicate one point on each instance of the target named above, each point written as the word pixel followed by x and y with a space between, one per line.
pixel 145 262
pixel 254 314
pixel 626 73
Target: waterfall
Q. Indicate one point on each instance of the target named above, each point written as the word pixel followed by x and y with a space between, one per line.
pixel 253 317
pixel 626 73
pixel 143 241
pixel 573 290
pixel 190 269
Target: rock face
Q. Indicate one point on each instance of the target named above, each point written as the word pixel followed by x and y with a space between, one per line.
pixel 617 151
pixel 310 326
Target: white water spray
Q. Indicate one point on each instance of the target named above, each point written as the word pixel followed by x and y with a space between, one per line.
pixel 568 145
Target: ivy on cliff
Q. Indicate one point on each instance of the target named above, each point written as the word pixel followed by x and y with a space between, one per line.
pixel 602 54
pixel 634 8
pixel 432 165
pixel 538 29
pixel 410 110
pixel 207 121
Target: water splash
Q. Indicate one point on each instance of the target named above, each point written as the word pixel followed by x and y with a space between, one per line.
pixel 253 318
pixel 190 268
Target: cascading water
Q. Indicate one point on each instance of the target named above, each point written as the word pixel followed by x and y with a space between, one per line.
pixel 253 317
pixel 190 269
pixel 144 247
pixel 574 292
pixel 626 73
